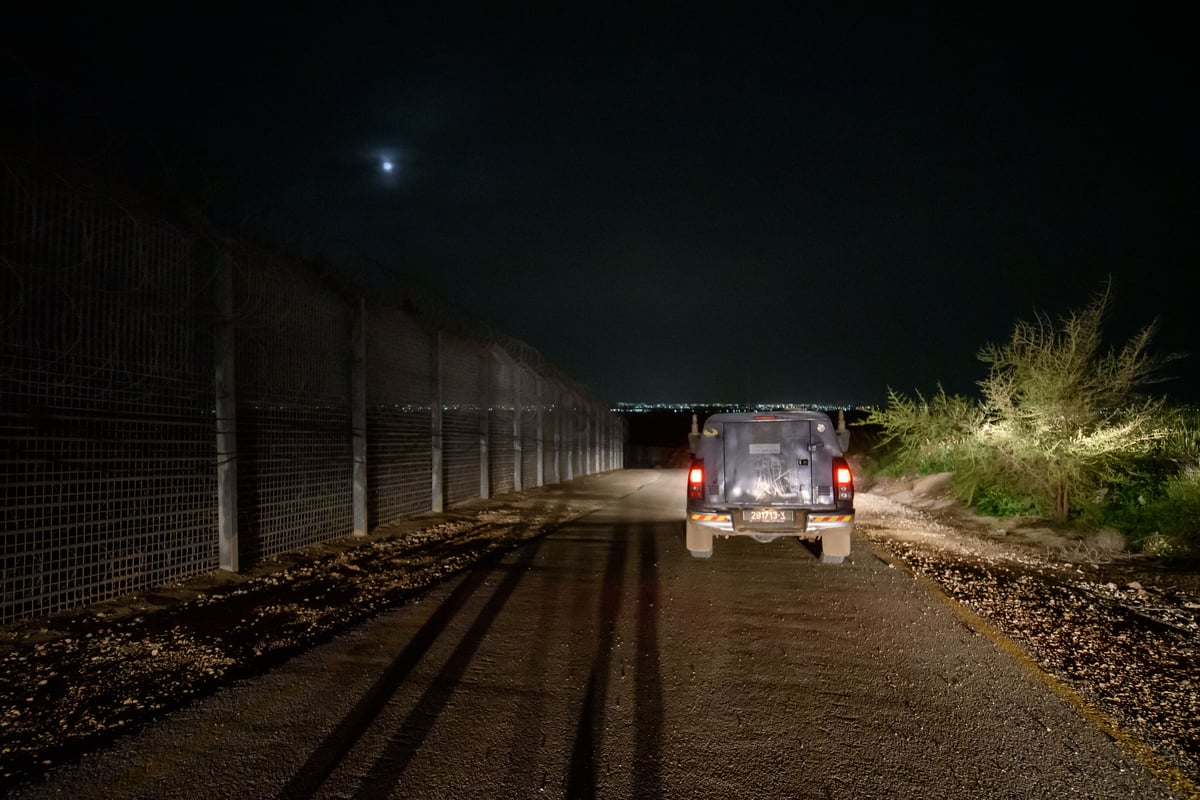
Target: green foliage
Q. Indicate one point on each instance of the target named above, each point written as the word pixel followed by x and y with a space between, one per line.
pixel 995 502
pixel 1063 429
pixel 1182 441
pixel 923 436
pixel 1159 516
pixel 1065 417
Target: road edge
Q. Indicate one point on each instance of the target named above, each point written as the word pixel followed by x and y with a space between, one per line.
pixel 1139 750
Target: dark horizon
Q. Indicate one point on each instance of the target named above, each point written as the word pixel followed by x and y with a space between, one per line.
pixel 789 207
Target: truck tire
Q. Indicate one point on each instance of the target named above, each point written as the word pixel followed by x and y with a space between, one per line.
pixel 699 540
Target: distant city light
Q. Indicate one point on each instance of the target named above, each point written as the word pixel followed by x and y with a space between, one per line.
pixel 637 408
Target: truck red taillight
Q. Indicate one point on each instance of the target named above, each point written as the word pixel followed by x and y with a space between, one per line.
pixel 843 479
pixel 696 481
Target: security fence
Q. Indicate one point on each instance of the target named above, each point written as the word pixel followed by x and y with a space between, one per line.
pixel 172 402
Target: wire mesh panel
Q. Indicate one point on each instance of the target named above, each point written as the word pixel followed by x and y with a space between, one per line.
pixel 579 415
pixel 586 432
pixel 461 389
pixel 598 433
pixel 108 467
pixel 568 468
pixel 106 431
pixel 500 426
pixel 293 408
pixel 399 430
pixel 551 431
pixel 530 391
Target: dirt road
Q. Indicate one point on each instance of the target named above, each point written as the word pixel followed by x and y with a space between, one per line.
pixel 602 661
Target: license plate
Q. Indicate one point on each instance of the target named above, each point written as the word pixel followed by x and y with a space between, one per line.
pixel 777 516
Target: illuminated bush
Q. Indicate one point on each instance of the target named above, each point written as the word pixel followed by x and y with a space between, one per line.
pixel 1062 426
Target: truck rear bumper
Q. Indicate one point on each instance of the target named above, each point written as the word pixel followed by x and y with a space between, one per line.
pixel 727 523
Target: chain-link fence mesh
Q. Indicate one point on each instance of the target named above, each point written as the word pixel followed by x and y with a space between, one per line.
pixel 293 408
pixel 111 378
pixel 502 467
pixel 105 401
pixel 399 425
pixel 529 388
pixel 462 389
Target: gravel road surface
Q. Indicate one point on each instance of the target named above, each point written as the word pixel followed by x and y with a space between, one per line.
pixel 600 660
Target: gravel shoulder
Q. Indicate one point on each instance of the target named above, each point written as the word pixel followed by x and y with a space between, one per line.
pixel 1121 630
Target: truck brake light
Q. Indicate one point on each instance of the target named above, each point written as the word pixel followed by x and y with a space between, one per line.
pixel 696 481
pixel 843 478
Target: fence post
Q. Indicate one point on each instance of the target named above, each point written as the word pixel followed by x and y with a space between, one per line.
pixel 558 433
pixel 225 385
pixel 435 460
pixel 358 420
pixel 539 415
pixel 609 425
pixel 605 424
pixel 571 440
pixel 610 429
pixel 613 442
pixel 517 373
pixel 589 443
pixel 485 392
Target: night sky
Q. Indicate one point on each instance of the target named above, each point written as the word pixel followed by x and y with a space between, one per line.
pixel 671 205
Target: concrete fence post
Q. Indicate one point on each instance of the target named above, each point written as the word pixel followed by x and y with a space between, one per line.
pixel 485 413
pixel 606 425
pixel 358 421
pixel 609 451
pixel 435 461
pixel 558 433
pixel 516 426
pixel 587 441
pixel 539 420
pixel 603 443
pixel 225 385
pixel 570 434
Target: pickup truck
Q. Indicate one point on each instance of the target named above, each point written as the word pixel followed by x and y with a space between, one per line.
pixel 767 475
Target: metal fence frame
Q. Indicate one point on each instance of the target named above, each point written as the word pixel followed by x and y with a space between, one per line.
pixel 172 403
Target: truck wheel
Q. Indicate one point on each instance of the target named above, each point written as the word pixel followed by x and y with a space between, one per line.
pixel 699 540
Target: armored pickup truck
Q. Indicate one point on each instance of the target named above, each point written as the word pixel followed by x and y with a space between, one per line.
pixel 767 475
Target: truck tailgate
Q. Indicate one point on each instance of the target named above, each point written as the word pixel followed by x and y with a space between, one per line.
pixel 769 463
